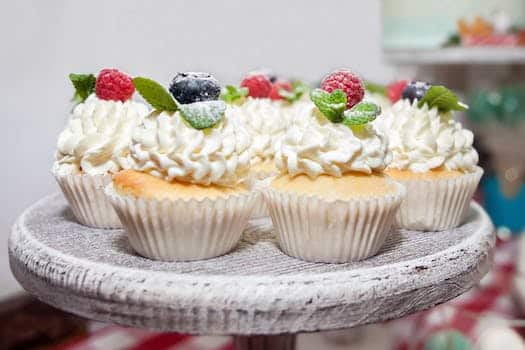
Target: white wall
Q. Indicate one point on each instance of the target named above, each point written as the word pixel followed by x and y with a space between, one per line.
pixel 42 41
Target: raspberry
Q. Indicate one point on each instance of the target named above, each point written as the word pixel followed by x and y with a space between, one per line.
pixel 114 85
pixel 274 92
pixel 258 85
pixel 396 89
pixel 348 82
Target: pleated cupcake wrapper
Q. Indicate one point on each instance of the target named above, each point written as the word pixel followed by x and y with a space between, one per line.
pixel 314 229
pixel 258 180
pixel 86 197
pixel 435 205
pixel 183 230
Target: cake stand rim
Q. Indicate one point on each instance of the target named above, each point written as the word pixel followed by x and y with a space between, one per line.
pixel 332 286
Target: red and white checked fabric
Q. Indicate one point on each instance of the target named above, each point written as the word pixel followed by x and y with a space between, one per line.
pixel 492 40
pixel 123 338
pixel 469 312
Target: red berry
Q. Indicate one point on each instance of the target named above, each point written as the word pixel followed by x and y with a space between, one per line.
pixel 278 85
pixel 114 85
pixel 258 85
pixel 344 80
pixel 395 90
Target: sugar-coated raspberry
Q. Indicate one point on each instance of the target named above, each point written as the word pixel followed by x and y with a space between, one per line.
pixel 274 92
pixel 114 85
pixel 396 89
pixel 259 86
pixel 344 80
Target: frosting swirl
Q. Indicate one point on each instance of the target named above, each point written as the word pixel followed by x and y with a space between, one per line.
pixel 97 135
pixel 422 139
pixel 166 147
pixel 266 120
pixel 314 146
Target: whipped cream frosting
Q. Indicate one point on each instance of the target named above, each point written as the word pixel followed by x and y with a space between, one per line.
pixel 166 147
pixel 314 146
pixel 97 136
pixel 422 139
pixel 266 120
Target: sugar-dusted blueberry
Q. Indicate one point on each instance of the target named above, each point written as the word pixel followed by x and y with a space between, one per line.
pixel 189 87
pixel 415 90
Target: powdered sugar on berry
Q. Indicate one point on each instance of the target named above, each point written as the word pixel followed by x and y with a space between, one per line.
pixel 97 135
pixel 346 81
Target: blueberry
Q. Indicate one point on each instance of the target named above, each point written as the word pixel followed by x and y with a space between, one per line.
pixel 415 90
pixel 192 87
pixel 273 78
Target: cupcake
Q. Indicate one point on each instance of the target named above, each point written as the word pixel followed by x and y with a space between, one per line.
pixel 95 143
pixel 433 157
pixel 264 104
pixel 331 201
pixel 184 197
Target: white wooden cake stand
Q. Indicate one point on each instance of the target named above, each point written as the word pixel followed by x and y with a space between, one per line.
pixel 256 293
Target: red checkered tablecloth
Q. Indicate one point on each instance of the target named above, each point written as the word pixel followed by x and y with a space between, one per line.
pixel 468 314
pixel 104 337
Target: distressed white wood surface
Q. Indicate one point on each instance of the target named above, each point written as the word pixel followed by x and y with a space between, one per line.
pixel 253 290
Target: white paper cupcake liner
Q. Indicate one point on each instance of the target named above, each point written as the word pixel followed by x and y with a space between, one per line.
pixel 183 230
pixel 436 205
pixel 314 229
pixel 86 197
pixel 257 181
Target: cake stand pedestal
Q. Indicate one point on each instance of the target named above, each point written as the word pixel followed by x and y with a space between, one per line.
pixel 256 293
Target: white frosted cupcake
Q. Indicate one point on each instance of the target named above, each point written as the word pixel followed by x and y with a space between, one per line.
pixel 433 157
pixel 331 202
pixel 264 105
pixel 95 144
pixel 185 197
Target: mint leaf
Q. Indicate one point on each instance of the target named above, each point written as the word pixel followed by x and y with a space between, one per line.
pixel 232 94
pixel 298 90
pixel 452 40
pixel 84 85
pixel 360 114
pixel 332 105
pixel 376 88
pixel 442 98
pixel 155 94
pixel 204 114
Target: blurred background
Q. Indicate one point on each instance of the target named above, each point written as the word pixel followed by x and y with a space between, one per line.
pixel 475 47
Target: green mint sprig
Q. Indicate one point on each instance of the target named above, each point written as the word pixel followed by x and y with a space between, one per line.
pixel 361 114
pixel 155 94
pixel 331 105
pixel 443 99
pixel 84 86
pixel 298 90
pixel 199 115
pixel 233 94
pixel 204 114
